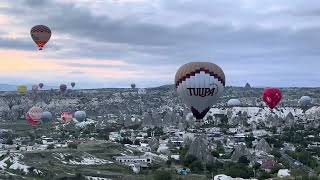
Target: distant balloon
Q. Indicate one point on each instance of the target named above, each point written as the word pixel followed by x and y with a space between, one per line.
pixel 63 87
pixel 34 115
pixel 73 84
pixel 271 96
pixel 133 85
pixel 41 85
pixel 66 117
pixel 46 117
pixel 40 34
pixel 305 101
pixel 200 84
pixel 35 87
pixel 80 116
pixel 234 102
pixel 142 91
pixel 22 89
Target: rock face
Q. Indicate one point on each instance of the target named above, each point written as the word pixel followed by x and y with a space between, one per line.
pixel 263 146
pixel 199 148
pixel 239 151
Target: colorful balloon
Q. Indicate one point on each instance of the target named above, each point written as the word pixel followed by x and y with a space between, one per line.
pixel 73 84
pixel 200 84
pixel 22 89
pixel 66 117
pixel 35 87
pixel 271 96
pixel 40 34
pixel 34 115
pixel 63 87
pixel 41 85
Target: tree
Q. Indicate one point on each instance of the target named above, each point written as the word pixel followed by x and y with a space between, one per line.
pixel 215 154
pixel 189 159
pixel 50 146
pixel 169 162
pixel 239 170
pixel 162 175
pixel 72 146
pixel 137 142
pixel 243 160
pixel 276 154
pixel 9 141
pixel 196 166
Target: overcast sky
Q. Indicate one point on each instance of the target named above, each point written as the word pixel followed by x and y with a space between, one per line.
pixel 112 43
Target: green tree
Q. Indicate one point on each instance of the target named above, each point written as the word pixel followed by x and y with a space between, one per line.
pixel 243 160
pixel 50 146
pixel 215 154
pixel 162 175
pixel 196 166
pixel 189 159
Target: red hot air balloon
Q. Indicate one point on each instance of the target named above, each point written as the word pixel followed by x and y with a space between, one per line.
pixel 40 35
pixel 63 87
pixel 271 96
pixel 33 115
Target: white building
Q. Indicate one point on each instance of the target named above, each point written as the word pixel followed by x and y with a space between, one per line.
pixel 133 159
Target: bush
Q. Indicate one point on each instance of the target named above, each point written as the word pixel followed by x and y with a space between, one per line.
pixel 73 146
pixel 243 160
pixel 189 160
pixel 196 166
pixel 51 146
pixel 215 154
pixel 239 170
pixel 162 175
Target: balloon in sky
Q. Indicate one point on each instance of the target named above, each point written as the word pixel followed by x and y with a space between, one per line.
pixel 63 87
pixel 35 87
pixel 80 116
pixel 200 84
pixel 34 115
pixel 305 101
pixel 46 117
pixel 40 35
pixel 234 102
pixel 22 89
pixel 41 85
pixel 271 96
pixel 73 84
pixel 133 85
pixel 66 117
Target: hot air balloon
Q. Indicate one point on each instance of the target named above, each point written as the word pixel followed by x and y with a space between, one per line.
pixel 142 91
pixel 41 85
pixel 46 117
pixel 271 96
pixel 34 115
pixel 40 34
pixel 305 101
pixel 234 102
pixel 66 117
pixel 35 87
pixel 200 84
pixel 133 85
pixel 73 84
pixel 63 87
pixel 80 116
pixel 22 89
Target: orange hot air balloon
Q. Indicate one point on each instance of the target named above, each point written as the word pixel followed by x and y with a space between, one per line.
pixel 40 35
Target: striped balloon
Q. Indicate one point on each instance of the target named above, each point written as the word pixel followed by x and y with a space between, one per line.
pixel 200 84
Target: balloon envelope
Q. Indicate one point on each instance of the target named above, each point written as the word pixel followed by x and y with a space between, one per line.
pixel 35 87
pixel 200 84
pixel 133 85
pixel 234 102
pixel 73 84
pixel 22 89
pixel 80 116
pixel 34 115
pixel 305 101
pixel 41 85
pixel 40 34
pixel 46 116
pixel 271 96
pixel 66 117
pixel 63 87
